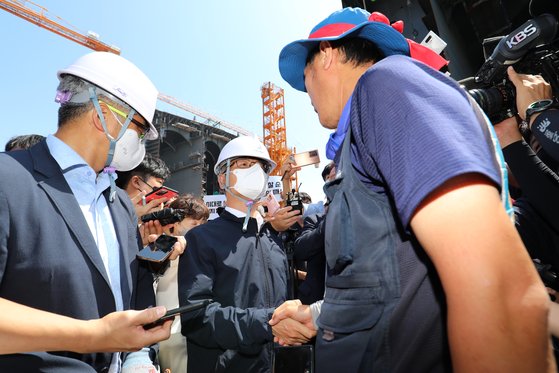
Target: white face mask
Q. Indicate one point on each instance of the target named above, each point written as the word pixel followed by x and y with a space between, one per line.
pixel 129 151
pixel 251 182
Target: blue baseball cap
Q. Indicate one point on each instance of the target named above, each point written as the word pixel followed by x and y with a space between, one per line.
pixel 354 22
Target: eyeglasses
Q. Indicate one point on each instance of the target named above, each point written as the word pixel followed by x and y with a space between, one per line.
pixel 142 126
pixel 153 189
pixel 249 162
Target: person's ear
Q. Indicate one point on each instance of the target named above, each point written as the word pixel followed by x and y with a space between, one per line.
pixel 95 116
pixel 135 181
pixel 221 181
pixel 326 54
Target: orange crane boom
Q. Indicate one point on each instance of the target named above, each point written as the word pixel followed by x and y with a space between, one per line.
pixel 91 40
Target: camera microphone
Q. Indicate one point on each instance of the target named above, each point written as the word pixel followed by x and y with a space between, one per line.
pixel 513 47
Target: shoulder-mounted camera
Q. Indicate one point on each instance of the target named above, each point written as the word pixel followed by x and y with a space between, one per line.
pixel 532 48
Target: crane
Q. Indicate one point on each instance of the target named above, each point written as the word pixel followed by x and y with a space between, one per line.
pixel 39 17
pixel 91 40
pixel 275 136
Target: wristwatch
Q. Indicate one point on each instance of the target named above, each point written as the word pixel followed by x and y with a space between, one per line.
pixel 537 107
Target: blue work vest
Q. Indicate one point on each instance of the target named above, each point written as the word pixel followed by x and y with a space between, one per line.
pixel 363 245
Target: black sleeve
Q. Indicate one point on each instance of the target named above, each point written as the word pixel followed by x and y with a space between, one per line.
pixel 539 184
pixel 546 130
pixel 218 326
pixel 311 240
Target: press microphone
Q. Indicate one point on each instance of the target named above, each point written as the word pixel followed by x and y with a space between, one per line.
pixel 540 30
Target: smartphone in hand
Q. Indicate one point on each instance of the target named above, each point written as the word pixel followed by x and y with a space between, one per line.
pixel 163 192
pixel 271 204
pixel 307 158
pixel 177 311
pixel 158 251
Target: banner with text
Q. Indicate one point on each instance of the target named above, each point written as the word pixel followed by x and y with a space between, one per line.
pixel 218 200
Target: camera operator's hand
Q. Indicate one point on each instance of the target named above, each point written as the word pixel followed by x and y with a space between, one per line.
pixel 529 88
pixel 284 218
pixel 507 131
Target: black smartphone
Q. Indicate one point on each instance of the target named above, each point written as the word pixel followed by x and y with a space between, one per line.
pixel 288 359
pixel 177 311
pixel 158 251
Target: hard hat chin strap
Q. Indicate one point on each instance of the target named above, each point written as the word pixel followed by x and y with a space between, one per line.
pixel 112 141
pixel 247 202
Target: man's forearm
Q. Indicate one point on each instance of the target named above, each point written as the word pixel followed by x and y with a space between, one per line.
pixel 500 337
pixel 497 305
pixel 25 329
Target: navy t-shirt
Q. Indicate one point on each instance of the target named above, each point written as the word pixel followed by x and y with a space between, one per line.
pixel 414 129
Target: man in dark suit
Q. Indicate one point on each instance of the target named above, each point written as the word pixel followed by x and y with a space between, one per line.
pixel 68 236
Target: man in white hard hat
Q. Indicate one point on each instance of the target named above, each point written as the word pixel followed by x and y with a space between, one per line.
pixel 68 236
pixel 237 261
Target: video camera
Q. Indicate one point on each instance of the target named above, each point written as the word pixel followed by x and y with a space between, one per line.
pixel 294 200
pixel 531 49
pixel 165 216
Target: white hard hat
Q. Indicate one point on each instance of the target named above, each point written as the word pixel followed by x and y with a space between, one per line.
pixel 244 146
pixel 122 79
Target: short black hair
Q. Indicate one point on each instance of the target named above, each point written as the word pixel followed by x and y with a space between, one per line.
pixel 327 170
pixel 356 50
pixel 150 166
pixel 23 142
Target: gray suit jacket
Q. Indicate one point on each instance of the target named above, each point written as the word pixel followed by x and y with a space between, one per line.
pixel 49 259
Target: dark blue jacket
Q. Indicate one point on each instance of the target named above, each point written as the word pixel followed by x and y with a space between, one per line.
pixel 309 247
pixel 245 274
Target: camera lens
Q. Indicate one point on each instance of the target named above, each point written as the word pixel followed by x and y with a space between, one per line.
pixel 495 101
pixel 489 99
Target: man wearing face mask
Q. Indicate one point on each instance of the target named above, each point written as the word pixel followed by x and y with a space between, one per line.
pixel 237 261
pixel 68 236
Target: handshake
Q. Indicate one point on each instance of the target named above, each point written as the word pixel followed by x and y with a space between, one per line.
pixel 292 323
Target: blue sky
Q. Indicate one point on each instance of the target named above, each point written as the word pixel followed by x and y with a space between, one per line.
pixel 212 55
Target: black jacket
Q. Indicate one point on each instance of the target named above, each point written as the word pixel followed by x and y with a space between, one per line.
pixel 309 246
pixel 245 274
pixel 536 212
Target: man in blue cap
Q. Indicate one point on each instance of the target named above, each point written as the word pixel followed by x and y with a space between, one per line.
pixel 416 237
